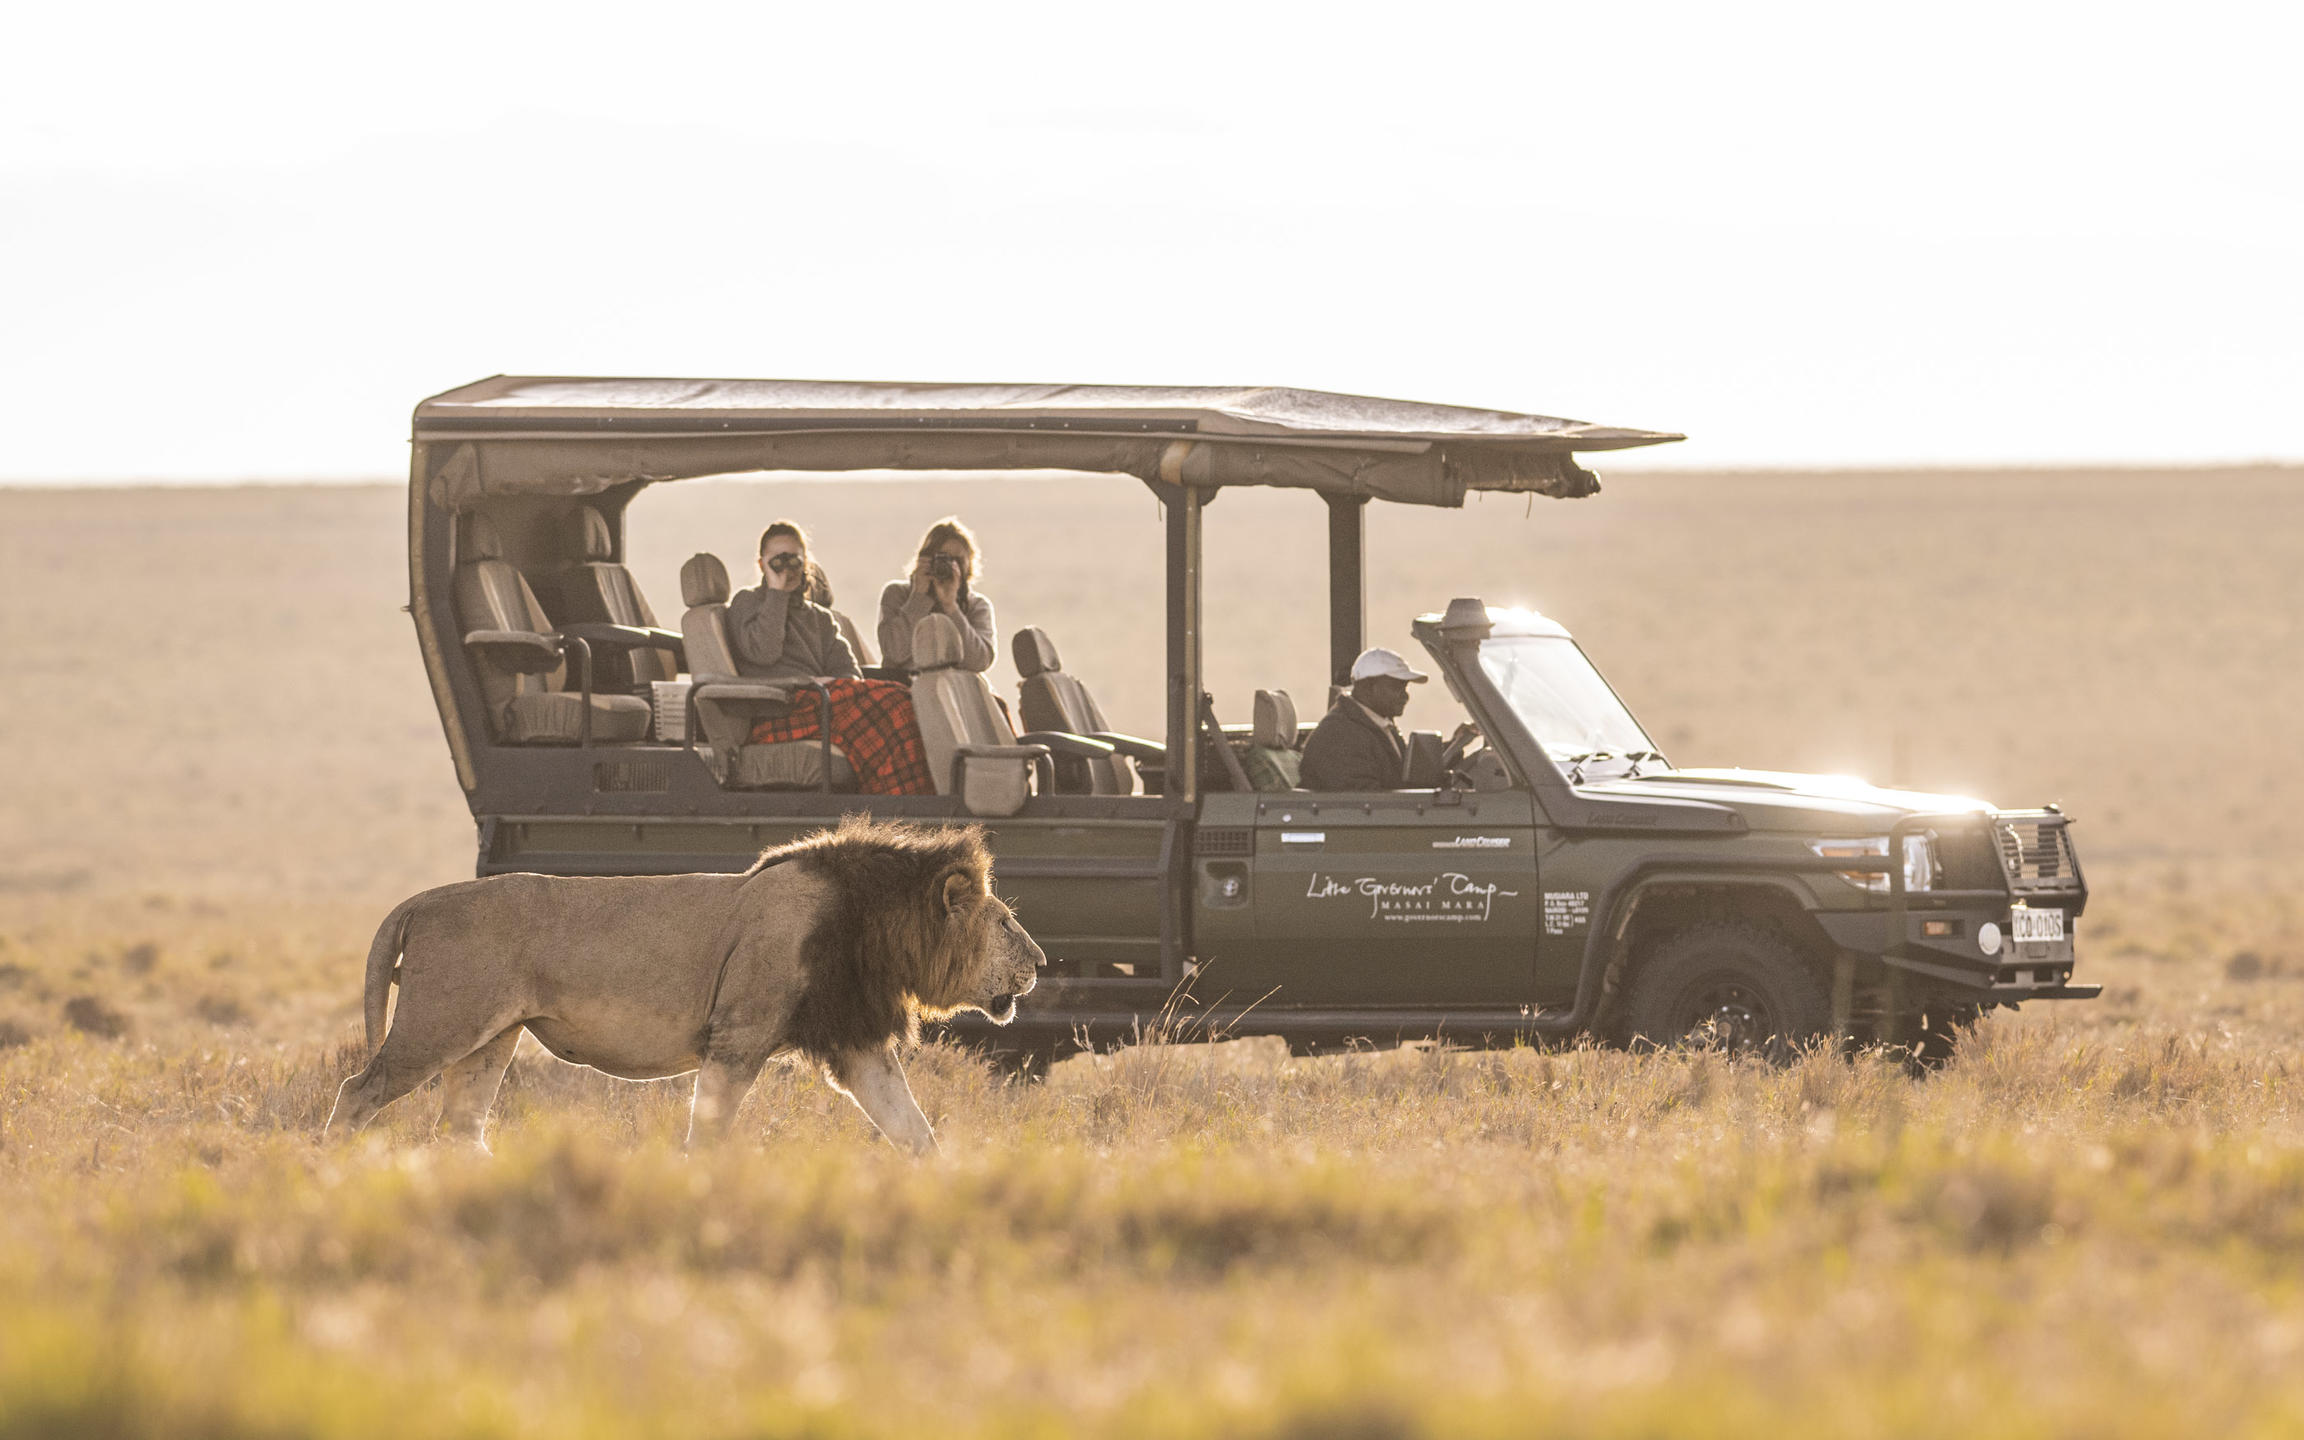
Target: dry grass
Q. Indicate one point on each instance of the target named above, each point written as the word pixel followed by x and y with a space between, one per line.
pixel 2075 1228
pixel 2092 1222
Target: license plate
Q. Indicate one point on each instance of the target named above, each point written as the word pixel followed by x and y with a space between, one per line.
pixel 2027 926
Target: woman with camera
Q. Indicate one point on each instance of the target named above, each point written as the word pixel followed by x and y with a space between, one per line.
pixel 779 633
pixel 939 585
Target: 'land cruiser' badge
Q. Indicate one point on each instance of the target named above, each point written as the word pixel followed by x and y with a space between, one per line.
pixel 1475 842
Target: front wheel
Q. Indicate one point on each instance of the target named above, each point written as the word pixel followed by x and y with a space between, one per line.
pixel 1724 985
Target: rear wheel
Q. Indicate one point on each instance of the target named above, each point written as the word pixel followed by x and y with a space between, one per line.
pixel 1725 985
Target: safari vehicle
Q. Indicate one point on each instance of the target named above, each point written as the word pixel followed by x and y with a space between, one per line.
pixel 1563 879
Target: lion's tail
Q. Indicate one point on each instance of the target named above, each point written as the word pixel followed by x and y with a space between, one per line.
pixel 383 955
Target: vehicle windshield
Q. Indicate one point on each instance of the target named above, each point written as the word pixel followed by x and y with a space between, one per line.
pixel 1565 704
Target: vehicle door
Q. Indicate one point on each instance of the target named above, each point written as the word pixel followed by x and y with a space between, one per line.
pixel 1392 897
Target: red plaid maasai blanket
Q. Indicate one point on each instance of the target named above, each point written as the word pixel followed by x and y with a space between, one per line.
pixel 873 724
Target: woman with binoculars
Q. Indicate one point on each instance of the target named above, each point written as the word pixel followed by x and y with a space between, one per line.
pixel 939 585
pixel 779 633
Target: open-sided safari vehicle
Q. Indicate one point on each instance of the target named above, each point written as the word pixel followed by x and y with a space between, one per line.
pixel 1561 879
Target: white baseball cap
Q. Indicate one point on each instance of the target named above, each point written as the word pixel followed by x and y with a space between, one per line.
pixel 1385 663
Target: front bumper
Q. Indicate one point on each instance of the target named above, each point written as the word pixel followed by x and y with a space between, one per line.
pixel 1964 937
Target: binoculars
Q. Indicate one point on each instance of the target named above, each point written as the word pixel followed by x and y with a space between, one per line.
pixel 786 564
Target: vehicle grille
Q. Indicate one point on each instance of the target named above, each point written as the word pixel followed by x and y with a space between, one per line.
pixel 2036 853
pixel 1970 860
pixel 1225 840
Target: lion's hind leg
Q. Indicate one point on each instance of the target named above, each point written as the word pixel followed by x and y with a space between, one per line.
pixel 875 1080
pixel 423 1042
pixel 386 1079
pixel 469 1088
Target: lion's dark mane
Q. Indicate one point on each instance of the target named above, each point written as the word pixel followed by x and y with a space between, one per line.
pixel 884 938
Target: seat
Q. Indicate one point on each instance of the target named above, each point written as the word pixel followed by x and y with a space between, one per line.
pixel 1056 701
pixel 1272 761
pixel 972 751
pixel 726 705
pixel 599 587
pixel 522 661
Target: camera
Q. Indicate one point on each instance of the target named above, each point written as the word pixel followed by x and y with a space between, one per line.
pixel 943 566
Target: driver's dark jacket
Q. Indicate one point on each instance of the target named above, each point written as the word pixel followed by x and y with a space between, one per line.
pixel 1351 749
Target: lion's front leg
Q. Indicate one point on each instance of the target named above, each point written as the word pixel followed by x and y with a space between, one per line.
pixel 722 1082
pixel 876 1082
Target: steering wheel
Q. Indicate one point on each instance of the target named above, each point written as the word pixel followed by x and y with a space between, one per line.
pixel 1456 760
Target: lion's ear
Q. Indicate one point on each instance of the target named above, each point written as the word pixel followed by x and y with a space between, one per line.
pixel 959 888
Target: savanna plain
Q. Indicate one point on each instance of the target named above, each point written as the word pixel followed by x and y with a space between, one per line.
pixel 225 768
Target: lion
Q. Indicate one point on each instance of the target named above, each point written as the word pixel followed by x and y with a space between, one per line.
pixel 829 950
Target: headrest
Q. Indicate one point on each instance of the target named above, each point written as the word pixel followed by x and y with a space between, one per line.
pixel 703 581
pixel 1275 721
pixel 592 534
pixel 481 542
pixel 1035 652
pixel 936 643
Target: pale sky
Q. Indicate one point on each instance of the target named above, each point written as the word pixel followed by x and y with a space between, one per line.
pixel 242 240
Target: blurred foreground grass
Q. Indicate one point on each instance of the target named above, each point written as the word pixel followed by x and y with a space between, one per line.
pixel 2091 1223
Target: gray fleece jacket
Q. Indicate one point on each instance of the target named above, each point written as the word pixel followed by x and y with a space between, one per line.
pixel 900 610
pixel 778 635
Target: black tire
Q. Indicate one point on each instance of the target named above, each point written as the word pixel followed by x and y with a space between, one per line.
pixel 1726 985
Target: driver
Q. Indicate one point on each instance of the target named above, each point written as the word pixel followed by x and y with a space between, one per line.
pixel 1356 746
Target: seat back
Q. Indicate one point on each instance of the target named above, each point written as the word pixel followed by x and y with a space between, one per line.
pixel 704 626
pixel 1056 700
pixel 953 703
pixel 971 748
pixel 704 633
pixel 492 595
pixel 599 587
pixel 1272 761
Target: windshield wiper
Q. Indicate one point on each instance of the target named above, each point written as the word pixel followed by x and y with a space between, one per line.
pixel 1576 763
pixel 1632 759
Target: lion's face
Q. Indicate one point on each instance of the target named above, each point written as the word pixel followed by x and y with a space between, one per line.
pixel 1007 962
pixel 988 960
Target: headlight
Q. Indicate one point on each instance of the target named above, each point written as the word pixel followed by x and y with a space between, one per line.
pixel 1919 861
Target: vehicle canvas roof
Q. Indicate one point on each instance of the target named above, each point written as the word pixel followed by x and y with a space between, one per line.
pixel 530 435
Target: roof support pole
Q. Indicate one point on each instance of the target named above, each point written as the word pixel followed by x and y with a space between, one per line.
pixel 431 555
pixel 1181 786
pixel 1347 591
pixel 1184 675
